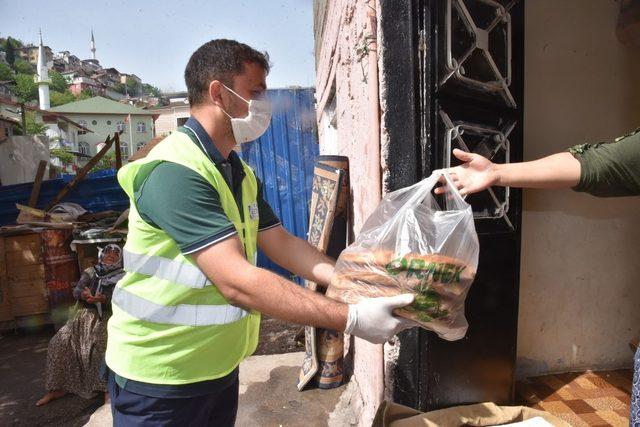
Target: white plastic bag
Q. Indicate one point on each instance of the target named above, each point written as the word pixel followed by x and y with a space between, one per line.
pixel 410 244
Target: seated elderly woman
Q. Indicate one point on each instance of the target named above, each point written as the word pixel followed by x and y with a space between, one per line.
pixel 76 351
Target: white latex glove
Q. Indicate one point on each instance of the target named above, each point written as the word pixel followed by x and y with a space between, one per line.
pixel 372 319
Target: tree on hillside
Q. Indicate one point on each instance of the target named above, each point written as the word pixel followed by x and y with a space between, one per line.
pixel 33 127
pixel 85 94
pixel 60 98
pixel 62 154
pixel 25 89
pixel 58 83
pixel 151 90
pixel 6 73
pixel 10 48
pixel 133 88
pixel 24 67
pixel 120 88
pixel 16 43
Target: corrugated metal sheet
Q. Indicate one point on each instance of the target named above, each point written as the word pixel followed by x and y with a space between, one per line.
pixel 283 159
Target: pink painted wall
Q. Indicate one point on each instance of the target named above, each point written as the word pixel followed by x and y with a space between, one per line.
pixel 347 90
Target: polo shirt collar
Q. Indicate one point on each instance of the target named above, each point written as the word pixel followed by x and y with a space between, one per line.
pixel 206 143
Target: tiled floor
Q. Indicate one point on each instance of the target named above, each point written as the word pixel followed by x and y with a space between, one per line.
pixel 581 399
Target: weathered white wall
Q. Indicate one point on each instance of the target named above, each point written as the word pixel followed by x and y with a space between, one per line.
pixel 167 119
pixel 20 156
pixel 346 91
pixel 580 292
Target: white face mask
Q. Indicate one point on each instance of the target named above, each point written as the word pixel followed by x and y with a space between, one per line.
pixel 254 124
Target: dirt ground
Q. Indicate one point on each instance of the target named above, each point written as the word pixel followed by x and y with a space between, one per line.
pixel 22 362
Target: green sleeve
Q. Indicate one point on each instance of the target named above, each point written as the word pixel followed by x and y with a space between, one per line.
pixel 608 170
pixel 184 205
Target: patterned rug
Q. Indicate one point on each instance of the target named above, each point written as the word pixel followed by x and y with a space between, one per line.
pixel 581 399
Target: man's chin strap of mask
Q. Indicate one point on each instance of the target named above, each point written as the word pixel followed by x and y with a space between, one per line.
pixel 252 126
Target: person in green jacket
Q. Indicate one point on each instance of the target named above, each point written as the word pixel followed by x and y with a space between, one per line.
pixel 603 170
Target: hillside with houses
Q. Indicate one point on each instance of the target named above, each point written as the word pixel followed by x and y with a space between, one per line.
pixel 63 109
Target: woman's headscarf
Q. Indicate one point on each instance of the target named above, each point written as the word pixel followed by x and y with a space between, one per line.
pixel 103 269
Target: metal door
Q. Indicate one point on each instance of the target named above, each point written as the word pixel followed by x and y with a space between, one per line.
pixel 466 72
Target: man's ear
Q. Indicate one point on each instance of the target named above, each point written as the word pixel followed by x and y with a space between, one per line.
pixel 215 92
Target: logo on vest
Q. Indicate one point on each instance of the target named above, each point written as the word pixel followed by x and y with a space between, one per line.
pixel 253 211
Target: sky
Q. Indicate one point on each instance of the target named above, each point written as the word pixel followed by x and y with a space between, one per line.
pixel 154 39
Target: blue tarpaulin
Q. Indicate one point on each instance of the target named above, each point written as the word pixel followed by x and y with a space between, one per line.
pixel 95 193
pixel 283 159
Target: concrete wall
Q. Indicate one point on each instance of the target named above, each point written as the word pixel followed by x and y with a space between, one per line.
pixel 579 284
pixel 348 125
pixel 20 156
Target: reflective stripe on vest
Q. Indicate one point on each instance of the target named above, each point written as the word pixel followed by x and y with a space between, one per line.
pixel 166 269
pixel 181 314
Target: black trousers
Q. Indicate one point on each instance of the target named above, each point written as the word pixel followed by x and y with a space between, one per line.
pixel 131 409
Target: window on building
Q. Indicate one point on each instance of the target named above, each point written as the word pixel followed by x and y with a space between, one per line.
pixel 108 122
pixel 84 148
pixel 120 126
pixel 140 144
pixel 124 150
pixel 82 123
pixel 142 127
pixel 95 122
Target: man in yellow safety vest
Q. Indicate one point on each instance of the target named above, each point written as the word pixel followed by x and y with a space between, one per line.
pixel 187 312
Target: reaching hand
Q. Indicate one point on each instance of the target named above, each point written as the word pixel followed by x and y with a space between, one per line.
pixel 372 319
pixel 474 175
pixel 86 294
pixel 97 298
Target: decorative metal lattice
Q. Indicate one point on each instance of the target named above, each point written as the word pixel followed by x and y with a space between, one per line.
pixel 478 47
pixel 489 141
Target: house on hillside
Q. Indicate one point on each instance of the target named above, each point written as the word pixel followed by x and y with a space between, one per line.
pixel 90 65
pixel 81 83
pixel 29 53
pixel 171 116
pixel 71 62
pixel 104 117
pixel 6 126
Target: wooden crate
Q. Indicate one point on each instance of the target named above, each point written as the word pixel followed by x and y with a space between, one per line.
pixel 28 306
pixel 6 312
pixel 21 242
pixel 5 299
pixel 25 274
pixel 3 265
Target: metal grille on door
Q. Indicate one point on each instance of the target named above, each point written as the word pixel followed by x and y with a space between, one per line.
pixel 475 98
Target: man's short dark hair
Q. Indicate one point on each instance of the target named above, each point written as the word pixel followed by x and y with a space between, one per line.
pixel 219 59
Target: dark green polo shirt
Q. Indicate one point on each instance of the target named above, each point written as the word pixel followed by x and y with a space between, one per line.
pixel 610 169
pixel 184 204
